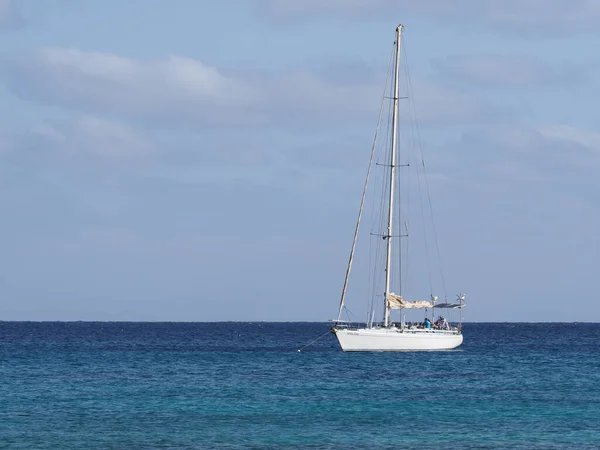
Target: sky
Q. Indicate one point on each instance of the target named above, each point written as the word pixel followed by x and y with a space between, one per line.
pixel 194 160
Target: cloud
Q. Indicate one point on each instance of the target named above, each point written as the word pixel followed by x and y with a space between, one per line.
pixel 445 105
pixel 282 9
pixel 506 70
pixel 527 17
pixel 555 157
pixel 74 145
pixel 174 89
pixel 180 91
pixel 577 148
pixel 89 134
pixel 108 83
pixel 571 134
pixel 10 15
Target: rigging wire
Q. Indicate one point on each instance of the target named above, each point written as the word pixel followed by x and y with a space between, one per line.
pixel 412 106
pixel 362 203
pixel 418 173
pixel 409 152
pixel 375 229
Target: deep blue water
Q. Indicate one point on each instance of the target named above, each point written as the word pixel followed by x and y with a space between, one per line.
pixel 82 385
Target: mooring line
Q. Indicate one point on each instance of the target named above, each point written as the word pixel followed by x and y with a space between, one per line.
pixel 311 343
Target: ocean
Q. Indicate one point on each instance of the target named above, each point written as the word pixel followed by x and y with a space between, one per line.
pixel 119 385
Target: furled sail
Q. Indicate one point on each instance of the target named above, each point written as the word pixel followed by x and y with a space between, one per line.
pixel 397 302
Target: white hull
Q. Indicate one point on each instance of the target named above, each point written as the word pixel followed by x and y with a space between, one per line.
pixel 394 339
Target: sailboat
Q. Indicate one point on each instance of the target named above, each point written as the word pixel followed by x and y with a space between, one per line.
pixel 387 335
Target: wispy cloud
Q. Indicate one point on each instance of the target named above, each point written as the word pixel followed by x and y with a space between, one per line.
pixel 104 82
pixel 508 70
pixel 512 154
pixel 85 134
pixel 566 133
pixel 442 104
pixel 526 17
pixel 292 10
pixel 178 90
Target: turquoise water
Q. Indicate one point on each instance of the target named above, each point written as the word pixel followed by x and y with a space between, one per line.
pixel 243 385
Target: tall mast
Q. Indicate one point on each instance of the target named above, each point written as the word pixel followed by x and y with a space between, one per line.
pixel 386 315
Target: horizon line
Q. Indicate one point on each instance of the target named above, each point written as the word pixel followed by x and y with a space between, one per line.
pixel 265 321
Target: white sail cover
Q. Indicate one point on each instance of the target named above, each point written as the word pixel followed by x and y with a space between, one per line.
pixel 397 302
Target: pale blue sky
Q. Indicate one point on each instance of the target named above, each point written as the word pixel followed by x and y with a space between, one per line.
pixel 203 160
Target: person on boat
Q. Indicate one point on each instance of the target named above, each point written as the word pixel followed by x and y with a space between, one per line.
pixel 442 323
pixel 427 323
